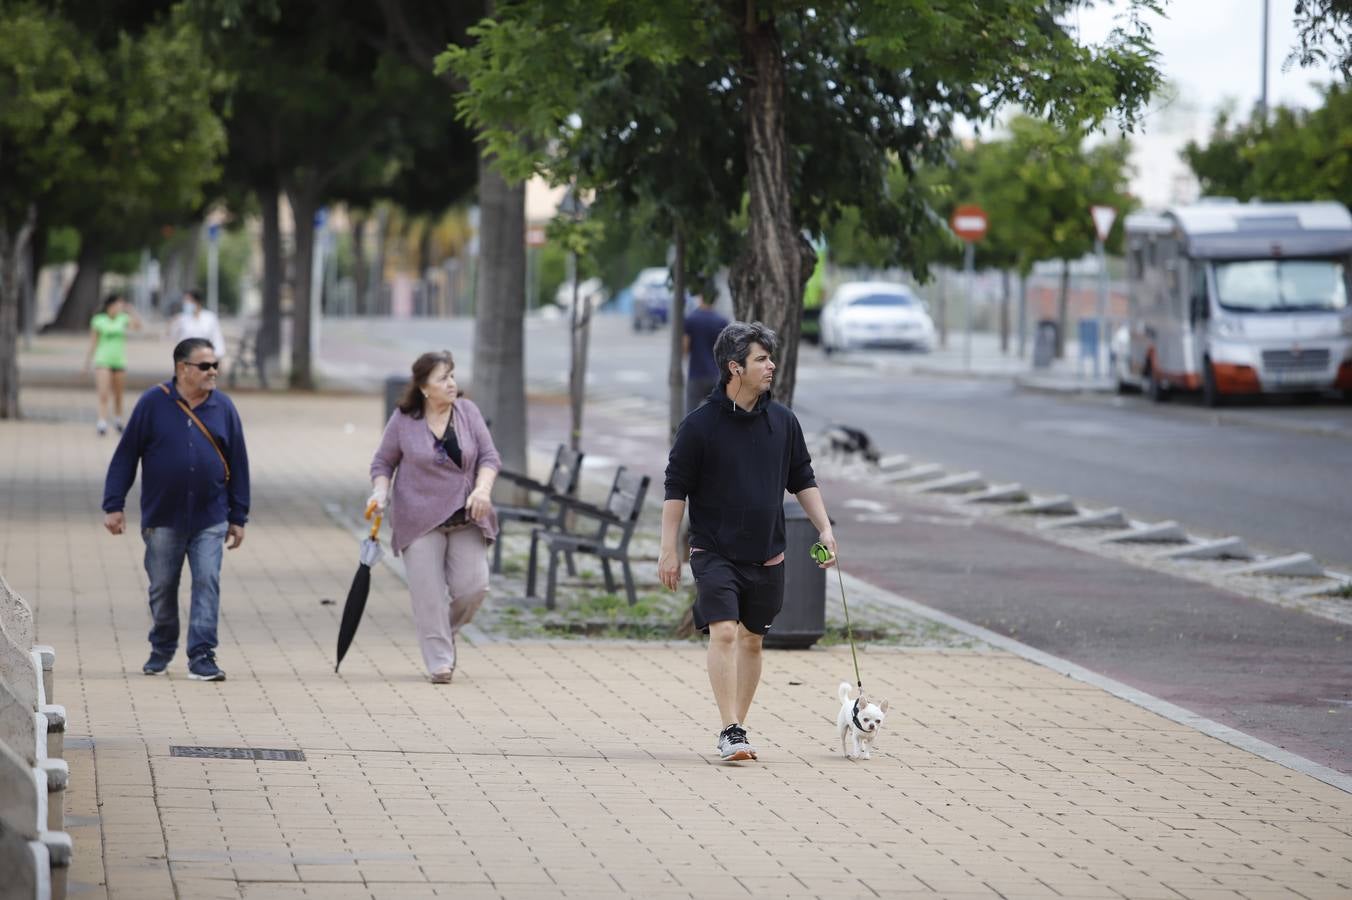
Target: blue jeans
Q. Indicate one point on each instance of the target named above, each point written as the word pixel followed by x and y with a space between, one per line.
pixel 166 549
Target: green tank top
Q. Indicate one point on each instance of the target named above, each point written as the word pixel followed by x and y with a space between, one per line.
pixel 111 350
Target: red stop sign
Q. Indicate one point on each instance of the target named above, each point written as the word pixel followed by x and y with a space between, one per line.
pixel 969 222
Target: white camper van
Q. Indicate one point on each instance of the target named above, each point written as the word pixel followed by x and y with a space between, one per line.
pixel 1239 298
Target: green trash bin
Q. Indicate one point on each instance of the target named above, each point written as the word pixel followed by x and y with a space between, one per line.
pixel 802 621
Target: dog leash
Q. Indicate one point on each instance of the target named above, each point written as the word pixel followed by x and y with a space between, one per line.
pixel 821 553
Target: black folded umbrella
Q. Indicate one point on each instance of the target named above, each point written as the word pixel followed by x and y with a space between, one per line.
pixel 361 587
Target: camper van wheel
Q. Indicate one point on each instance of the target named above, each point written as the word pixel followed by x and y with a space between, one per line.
pixel 1211 395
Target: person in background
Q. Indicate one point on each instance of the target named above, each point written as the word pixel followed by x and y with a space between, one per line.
pixel 442 461
pixel 107 356
pixel 196 321
pixel 702 327
pixel 189 442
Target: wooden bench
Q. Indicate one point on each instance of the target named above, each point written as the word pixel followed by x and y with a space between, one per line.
pixel 546 512
pixel 615 523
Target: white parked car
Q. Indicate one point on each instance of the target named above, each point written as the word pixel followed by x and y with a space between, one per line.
pixel 875 314
pixel 591 292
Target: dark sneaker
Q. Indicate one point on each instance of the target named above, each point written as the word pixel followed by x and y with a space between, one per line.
pixel 204 668
pixel 156 664
pixel 732 744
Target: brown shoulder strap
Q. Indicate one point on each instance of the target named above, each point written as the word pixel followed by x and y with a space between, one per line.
pixel 211 440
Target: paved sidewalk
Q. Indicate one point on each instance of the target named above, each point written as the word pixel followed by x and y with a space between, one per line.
pixel 582 768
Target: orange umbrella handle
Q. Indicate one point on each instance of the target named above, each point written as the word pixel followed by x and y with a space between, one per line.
pixel 375 526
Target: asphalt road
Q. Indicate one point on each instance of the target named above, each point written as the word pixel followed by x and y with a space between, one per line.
pixel 1278 474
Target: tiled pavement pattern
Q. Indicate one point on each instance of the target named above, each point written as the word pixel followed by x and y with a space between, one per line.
pixel 577 768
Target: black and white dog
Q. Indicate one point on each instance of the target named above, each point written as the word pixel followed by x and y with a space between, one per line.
pixel 847 444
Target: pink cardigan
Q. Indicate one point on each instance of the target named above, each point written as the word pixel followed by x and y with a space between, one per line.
pixel 426 492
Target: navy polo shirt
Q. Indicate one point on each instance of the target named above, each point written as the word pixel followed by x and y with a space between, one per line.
pixel 183 483
pixel 703 327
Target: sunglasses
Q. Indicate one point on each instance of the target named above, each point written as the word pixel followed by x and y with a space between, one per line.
pixel 204 366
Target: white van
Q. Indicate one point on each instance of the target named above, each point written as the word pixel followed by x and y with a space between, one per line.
pixel 1233 298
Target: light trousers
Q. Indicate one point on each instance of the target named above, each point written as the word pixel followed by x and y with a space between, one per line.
pixel 448 580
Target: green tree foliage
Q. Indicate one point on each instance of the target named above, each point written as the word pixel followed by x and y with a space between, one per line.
pixel 42 71
pixel 1296 155
pixel 151 141
pixel 323 108
pixel 1036 186
pixel 1324 34
pixel 798 113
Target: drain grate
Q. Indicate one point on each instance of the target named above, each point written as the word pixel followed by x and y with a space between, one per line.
pixel 251 753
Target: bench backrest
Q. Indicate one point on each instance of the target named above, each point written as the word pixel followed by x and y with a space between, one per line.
pixel 567 467
pixel 625 502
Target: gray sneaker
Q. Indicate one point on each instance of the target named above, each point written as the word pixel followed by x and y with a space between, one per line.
pixel 733 745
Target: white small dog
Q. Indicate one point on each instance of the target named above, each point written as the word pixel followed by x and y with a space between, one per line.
pixel 859 722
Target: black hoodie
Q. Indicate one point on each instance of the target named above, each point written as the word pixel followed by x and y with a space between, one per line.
pixel 733 466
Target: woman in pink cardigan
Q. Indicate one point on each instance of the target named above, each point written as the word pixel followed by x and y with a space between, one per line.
pixel 441 504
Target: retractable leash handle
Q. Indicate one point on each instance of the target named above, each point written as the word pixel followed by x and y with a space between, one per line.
pixel 821 553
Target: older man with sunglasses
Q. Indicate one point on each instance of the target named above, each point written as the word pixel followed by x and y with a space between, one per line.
pixel 189 442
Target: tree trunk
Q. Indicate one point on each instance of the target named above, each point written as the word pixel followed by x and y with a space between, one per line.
pixel 376 280
pixel 179 268
pixel 36 258
pixel 577 360
pixel 270 327
pixel 425 247
pixel 13 246
pixel 942 322
pixel 769 275
pixel 303 206
pixel 1063 310
pixel 1023 314
pixel 359 268
pixel 82 298
pixel 675 372
pixel 1004 311
pixel 500 309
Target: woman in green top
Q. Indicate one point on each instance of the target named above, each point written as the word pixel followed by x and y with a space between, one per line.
pixel 108 355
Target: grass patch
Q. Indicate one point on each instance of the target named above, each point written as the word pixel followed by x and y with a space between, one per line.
pixel 653 617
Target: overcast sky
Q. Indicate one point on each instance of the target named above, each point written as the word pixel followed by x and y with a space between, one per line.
pixel 1211 51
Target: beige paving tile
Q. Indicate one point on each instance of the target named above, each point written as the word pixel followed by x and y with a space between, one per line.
pixel 996 776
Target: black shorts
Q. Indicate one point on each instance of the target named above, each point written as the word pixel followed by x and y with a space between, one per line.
pixel 739 592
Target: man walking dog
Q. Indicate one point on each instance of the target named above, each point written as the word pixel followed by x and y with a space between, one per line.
pixel 733 459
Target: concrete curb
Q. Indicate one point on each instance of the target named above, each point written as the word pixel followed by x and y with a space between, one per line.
pixel 1270 752
pixel 1052 385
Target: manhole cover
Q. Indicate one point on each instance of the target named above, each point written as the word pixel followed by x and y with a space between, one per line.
pixel 237 753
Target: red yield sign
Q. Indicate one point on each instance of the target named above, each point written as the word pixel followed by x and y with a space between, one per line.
pixel 969 222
